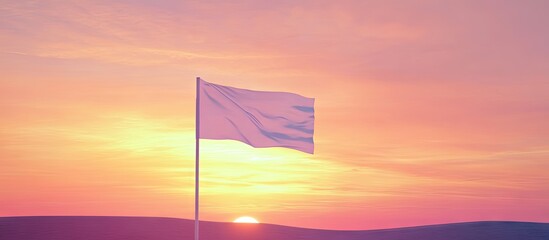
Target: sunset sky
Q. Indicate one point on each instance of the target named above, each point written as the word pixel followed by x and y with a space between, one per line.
pixel 426 111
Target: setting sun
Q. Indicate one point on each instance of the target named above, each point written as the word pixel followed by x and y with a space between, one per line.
pixel 246 219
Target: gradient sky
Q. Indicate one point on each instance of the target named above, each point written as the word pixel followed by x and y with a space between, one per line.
pixel 426 111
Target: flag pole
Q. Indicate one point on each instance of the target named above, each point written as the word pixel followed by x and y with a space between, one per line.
pixel 197 158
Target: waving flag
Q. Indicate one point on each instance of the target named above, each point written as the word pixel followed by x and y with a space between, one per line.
pixel 258 118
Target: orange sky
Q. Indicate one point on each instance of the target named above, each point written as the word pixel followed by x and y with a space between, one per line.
pixel 426 111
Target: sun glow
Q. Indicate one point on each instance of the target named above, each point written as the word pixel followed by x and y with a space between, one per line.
pixel 245 219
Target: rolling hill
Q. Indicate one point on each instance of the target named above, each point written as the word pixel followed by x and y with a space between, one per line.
pixel 151 228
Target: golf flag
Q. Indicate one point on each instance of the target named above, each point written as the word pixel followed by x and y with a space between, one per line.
pixel 258 118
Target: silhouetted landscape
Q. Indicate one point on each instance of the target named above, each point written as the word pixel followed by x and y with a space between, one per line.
pixel 145 228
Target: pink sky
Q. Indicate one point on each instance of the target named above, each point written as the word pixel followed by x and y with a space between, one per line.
pixel 426 111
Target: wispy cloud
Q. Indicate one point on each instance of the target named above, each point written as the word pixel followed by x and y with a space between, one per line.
pixel 426 112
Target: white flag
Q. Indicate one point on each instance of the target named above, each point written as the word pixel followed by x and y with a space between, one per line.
pixel 258 118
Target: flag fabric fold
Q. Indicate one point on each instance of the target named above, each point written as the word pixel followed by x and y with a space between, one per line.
pixel 258 118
